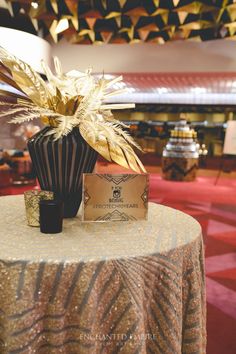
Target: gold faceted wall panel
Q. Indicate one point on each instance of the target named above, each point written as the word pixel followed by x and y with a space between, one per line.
pixel 130 21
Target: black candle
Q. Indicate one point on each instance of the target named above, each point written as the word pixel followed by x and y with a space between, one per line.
pixel 50 216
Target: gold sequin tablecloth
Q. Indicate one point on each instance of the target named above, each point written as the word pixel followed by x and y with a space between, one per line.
pixel 124 287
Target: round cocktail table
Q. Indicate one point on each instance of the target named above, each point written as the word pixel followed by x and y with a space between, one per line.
pixel 121 287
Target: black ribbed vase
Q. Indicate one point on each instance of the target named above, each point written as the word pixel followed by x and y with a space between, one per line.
pixel 60 164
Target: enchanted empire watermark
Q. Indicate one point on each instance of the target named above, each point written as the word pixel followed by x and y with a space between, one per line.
pixel 116 337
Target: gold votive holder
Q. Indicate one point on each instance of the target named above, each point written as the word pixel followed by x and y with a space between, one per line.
pixel 32 199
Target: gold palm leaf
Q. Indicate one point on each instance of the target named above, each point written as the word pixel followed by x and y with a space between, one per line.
pixel 26 78
pixel 103 138
pixel 8 80
pixel 14 95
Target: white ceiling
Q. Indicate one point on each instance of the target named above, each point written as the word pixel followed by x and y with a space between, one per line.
pixel 179 56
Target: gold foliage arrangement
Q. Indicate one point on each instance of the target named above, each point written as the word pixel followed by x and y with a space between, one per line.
pixel 68 101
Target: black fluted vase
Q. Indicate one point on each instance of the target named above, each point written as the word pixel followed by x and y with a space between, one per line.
pixel 60 164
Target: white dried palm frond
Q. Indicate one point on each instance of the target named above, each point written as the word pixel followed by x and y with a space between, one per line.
pixel 58 67
pixel 51 85
pixel 107 114
pixel 76 74
pixel 113 106
pixel 22 118
pixel 72 83
pixel 84 82
pixel 114 93
pixel 119 131
pixel 14 112
pixel 110 83
pixel 116 125
pixel 90 103
pixel 65 124
pixel 110 118
pixel 26 78
pixel 56 82
pixel 25 112
pixel 85 85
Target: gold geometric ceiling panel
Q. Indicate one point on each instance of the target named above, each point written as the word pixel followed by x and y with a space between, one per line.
pixel 129 21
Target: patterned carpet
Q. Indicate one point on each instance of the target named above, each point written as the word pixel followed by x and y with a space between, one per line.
pixel 215 208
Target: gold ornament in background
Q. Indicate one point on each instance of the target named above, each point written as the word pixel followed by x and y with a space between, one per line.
pixel 72 100
pixel 32 199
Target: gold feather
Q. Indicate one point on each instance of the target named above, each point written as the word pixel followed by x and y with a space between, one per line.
pixel 25 112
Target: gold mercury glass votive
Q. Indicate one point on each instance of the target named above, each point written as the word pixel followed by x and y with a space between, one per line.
pixel 32 199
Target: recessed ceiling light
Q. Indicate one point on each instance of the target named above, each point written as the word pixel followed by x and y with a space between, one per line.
pixel 34 4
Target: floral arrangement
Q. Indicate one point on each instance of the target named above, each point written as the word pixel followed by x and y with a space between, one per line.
pixel 68 101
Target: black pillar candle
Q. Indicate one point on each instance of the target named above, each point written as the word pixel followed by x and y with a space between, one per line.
pixel 50 216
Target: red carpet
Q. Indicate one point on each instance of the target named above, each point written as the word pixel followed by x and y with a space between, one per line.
pixel 215 208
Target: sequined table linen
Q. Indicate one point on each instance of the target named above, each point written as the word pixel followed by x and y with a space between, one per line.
pixel 132 288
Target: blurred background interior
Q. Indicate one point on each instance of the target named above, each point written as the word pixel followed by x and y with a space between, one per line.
pixel 175 56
